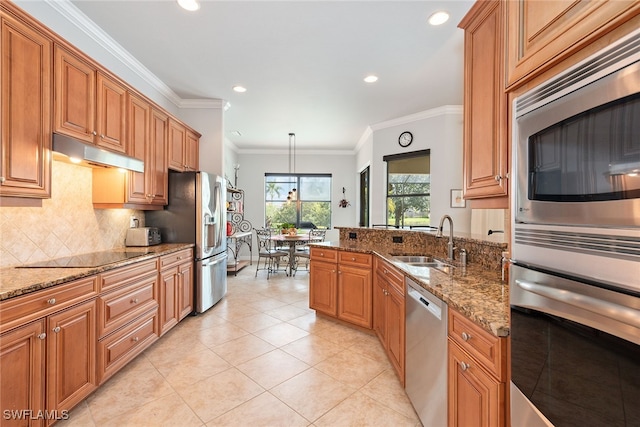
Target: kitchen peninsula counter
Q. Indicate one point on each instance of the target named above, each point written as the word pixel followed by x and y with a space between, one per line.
pixel 16 281
pixel 475 291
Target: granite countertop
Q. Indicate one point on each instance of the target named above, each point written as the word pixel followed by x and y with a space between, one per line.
pixel 478 293
pixel 15 281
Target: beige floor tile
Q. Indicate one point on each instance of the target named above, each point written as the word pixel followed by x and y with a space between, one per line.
pixel 341 334
pixel 168 411
pixel 256 322
pixel 312 393
pixel 80 416
pixel 360 410
pixel 310 322
pixel 220 334
pixel 265 304
pixel 171 347
pixel 351 368
pixel 193 367
pixel 234 312
pixel 386 389
pixel 281 334
pixel 370 346
pixel 125 391
pixel 242 349
pixel 220 393
pixel 272 368
pixel 263 410
pixel 201 321
pixel 287 312
pixel 312 349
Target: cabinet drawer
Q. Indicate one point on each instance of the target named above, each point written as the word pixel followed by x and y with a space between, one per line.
pixel 119 348
pixel 488 349
pixel 392 274
pixel 129 274
pixel 355 259
pixel 174 258
pixel 122 305
pixel 23 309
pixel 330 255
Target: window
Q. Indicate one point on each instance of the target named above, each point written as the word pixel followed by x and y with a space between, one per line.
pixel 409 189
pixel 311 206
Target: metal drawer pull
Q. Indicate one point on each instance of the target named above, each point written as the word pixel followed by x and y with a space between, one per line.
pixel 42 336
pixel 464 366
pixel 51 301
pixel 466 336
pixel 135 339
pixel 134 301
pixel 56 329
pixel 353 258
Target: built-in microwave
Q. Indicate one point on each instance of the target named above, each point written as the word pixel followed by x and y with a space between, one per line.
pixel 576 160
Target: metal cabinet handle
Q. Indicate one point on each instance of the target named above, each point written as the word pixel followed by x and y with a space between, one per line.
pixel 2 179
pixel 466 336
pixel 56 329
pixel 135 339
pixel 94 133
pixel 464 366
pixel 42 336
pixel 498 178
pixel 102 136
pixel 134 301
pixel 333 271
pixel 51 301
pixel 353 258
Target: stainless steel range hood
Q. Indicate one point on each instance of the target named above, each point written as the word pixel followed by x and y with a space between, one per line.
pixel 92 156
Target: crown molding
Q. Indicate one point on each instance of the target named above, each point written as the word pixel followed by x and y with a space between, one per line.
pixel 278 152
pixel 81 21
pixel 363 139
pixel 421 115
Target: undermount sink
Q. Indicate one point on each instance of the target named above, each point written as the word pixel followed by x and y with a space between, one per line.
pixel 419 264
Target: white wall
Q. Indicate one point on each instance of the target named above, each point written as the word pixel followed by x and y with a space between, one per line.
pixel 439 130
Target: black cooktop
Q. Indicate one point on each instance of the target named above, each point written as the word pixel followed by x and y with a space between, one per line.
pixel 93 259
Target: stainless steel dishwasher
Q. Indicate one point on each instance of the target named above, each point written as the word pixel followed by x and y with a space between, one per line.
pixel 426 355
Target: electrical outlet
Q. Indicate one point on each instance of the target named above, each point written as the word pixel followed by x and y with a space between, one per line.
pixel 133 222
pixel 396 239
pixel 353 235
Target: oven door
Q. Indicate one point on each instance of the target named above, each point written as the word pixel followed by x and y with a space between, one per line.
pixel 575 353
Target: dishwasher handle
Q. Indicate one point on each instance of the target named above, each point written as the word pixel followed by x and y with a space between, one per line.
pixel 431 306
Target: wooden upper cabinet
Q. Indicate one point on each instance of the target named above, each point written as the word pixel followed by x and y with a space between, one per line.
pixel 89 104
pixel 138 129
pixel 25 88
pixel 543 33
pixel 111 114
pixel 183 147
pixel 157 167
pixel 485 115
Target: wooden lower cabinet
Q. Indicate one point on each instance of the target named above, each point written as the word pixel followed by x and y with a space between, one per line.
pixel 176 288
pixel 22 369
pixel 389 313
pixel 185 290
pixel 355 295
pixel 323 282
pixel 71 356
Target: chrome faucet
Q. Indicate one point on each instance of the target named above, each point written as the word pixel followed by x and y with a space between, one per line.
pixel 450 247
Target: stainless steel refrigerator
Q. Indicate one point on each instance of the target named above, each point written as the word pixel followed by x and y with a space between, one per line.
pixel 196 214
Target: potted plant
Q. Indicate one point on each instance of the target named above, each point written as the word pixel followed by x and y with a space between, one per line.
pixel 288 228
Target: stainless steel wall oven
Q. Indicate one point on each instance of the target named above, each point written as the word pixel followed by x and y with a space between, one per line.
pixel 575 278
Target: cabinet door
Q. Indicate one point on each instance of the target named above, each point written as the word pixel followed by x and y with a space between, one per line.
pixel 185 297
pixel 157 172
pixel 75 96
pixel 395 317
pixel 168 299
pixel 543 33
pixel 323 285
pixel 176 149
pixel 138 128
pixel 380 307
pixel 191 151
pixel 485 136
pixel 111 110
pixel 475 398
pixel 71 356
pixel 25 86
pixel 355 295
pixel 22 353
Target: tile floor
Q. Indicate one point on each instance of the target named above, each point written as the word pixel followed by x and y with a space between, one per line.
pixel 260 357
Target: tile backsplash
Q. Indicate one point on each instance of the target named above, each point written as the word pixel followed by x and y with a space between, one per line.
pixel 66 224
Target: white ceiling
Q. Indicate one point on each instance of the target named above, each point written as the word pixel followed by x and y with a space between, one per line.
pixel 303 62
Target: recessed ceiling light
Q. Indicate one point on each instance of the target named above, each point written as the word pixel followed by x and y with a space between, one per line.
pixel 240 89
pixel 371 79
pixel 190 5
pixel 438 18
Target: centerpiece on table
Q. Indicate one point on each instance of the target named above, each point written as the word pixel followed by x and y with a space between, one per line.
pixel 288 228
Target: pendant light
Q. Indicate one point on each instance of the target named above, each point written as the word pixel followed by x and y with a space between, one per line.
pixel 292 160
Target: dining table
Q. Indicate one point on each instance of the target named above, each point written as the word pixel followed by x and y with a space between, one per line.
pixel 292 240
